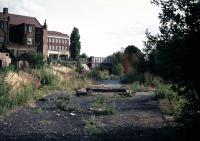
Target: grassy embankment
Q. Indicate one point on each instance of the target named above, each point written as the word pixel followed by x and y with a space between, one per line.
pixel 19 87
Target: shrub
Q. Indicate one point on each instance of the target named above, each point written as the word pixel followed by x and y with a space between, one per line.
pixel 136 86
pixel 132 77
pixel 35 60
pixel 174 104
pixel 47 77
pixel 164 91
pixel 117 69
pixel 79 67
pixel 65 103
pixel 8 69
pixel 95 74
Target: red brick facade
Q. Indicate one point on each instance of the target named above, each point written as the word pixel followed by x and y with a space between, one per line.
pixel 58 45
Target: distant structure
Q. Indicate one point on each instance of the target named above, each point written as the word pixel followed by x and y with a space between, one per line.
pixel 58 45
pixel 4 59
pixel 22 34
pixel 102 62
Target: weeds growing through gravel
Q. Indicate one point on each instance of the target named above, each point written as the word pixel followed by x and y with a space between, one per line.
pixel 92 126
pixel 103 105
pixel 65 103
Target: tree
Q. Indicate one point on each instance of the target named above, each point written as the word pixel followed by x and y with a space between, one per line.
pixel 75 44
pixel 133 59
pixel 117 69
pixel 83 55
pixel 173 53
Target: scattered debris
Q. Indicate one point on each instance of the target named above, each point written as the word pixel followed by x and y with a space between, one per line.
pixel 72 114
pixel 57 114
pixel 81 91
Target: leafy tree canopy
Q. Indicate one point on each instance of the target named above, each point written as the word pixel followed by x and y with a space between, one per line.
pixel 75 44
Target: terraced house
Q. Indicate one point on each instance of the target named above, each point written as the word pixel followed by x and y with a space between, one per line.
pixel 22 34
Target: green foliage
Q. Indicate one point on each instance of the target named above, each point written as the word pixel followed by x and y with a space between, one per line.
pixel 9 101
pixel 95 74
pixel 132 77
pixel 10 68
pixel 47 77
pixel 173 51
pixel 35 60
pixel 131 49
pixel 24 94
pixel 175 103
pixel 65 103
pixel 4 87
pixel 136 87
pixel 79 67
pixel 164 91
pixel 75 44
pixel 102 105
pixel 83 55
pixel 117 69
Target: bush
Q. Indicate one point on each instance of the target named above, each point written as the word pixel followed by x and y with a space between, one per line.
pixel 8 69
pixel 117 69
pixel 65 103
pixel 35 60
pixel 95 74
pixel 79 67
pixel 136 87
pixel 173 104
pixel 47 77
pixel 132 77
pixel 164 91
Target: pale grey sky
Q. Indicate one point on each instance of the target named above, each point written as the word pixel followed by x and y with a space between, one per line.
pixel 105 26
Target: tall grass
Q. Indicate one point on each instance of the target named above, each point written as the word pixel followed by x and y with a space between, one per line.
pixel 47 76
pixel 10 99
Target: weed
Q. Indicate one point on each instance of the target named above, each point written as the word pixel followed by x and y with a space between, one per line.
pixel 65 103
pixel 92 126
pixel 40 111
pixel 171 103
pixel 102 105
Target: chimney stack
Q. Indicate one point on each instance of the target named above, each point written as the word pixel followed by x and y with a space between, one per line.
pixel 5 10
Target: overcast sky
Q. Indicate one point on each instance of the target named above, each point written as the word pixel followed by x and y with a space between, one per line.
pixel 105 26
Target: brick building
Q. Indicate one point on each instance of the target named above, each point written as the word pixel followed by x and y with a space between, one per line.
pixel 58 45
pixel 22 34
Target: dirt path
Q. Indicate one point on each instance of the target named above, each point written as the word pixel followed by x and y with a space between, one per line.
pixel 138 118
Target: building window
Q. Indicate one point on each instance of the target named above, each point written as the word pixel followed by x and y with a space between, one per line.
pixel 29 41
pixel 1 39
pixel 30 28
pixel 1 25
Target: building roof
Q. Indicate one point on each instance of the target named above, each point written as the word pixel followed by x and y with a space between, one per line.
pixel 55 33
pixel 19 19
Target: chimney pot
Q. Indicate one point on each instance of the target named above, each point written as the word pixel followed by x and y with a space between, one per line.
pixel 5 10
